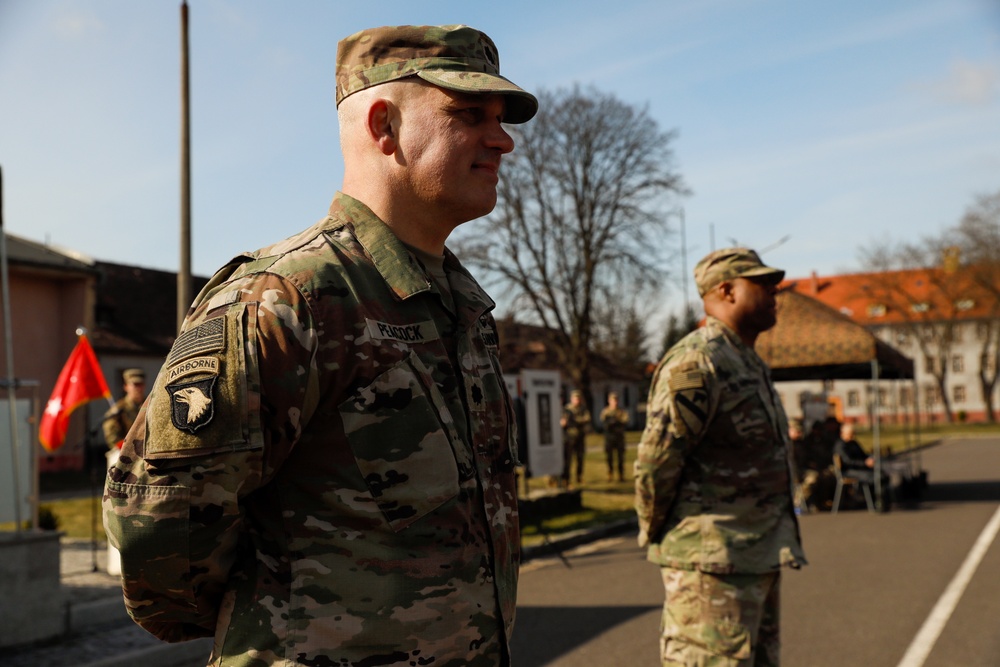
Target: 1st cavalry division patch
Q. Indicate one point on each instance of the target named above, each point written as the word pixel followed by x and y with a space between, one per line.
pixel 690 400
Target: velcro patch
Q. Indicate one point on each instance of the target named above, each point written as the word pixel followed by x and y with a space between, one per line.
pixel 192 404
pixel 686 380
pixel 690 408
pixel 418 332
pixel 192 366
pixel 207 337
pixel 488 332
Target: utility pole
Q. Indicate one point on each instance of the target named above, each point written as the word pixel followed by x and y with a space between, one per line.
pixel 184 295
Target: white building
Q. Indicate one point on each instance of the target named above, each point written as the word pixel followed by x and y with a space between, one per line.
pixel 942 320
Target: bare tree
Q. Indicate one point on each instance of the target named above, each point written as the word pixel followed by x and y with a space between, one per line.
pixel 580 226
pixel 914 284
pixel 978 238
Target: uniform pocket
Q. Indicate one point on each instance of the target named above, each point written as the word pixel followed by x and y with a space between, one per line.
pixel 399 430
pixel 150 524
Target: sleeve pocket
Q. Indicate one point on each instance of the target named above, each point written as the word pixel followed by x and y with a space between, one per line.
pixel 149 525
pixel 401 435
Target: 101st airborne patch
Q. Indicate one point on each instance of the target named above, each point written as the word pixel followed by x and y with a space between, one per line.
pixel 191 381
pixel 191 403
pixel 689 398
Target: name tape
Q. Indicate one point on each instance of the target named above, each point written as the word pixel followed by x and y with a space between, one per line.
pixel 417 332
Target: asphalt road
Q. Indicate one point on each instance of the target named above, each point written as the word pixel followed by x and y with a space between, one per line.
pixel 872 583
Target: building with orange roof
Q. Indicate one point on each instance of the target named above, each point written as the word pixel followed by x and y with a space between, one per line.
pixel 946 319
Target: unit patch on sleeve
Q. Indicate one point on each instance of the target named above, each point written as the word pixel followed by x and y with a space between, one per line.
pixel 191 403
pixel 689 399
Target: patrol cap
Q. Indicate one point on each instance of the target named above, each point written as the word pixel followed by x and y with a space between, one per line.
pixel 730 263
pixel 576 393
pixel 612 395
pixel 134 375
pixel 455 57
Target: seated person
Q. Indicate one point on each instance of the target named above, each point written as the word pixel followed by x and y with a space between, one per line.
pixel 854 460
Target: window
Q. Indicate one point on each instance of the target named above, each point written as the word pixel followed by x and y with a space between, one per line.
pixel 956 333
pixel 876 310
pixel 958 364
pixel 958 393
pixel 853 400
pixel 904 396
pixel 929 364
pixel 921 307
pixel 882 395
pixel 965 304
pixel 931 395
pixel 902 338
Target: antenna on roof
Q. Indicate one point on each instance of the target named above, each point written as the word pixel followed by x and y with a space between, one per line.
pixel 774 245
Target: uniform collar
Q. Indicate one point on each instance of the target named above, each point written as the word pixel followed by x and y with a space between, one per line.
pixel 402 273
pixel 400 269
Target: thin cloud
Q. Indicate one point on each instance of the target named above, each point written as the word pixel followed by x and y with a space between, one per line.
pixel 75 24
pixel 967 83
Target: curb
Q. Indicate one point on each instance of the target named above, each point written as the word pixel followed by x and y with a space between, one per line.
pixel 183 654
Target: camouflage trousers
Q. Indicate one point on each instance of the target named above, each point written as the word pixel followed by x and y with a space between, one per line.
pixel 574 451
pixel 712 620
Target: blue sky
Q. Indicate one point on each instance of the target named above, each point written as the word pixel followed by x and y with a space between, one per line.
pixel 809 129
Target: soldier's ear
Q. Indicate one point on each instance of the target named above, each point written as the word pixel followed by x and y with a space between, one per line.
pixel 381 116
pixel 725 291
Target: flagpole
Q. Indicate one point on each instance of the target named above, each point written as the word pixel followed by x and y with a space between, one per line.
pixel 15 445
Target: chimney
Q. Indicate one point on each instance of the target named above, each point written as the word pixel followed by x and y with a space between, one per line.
pixel 814 282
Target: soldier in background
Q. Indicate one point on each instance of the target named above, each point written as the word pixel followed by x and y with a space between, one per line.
pixel 119 418
pixel 576 425
pixel 614 421
pixel 713 486
pixel 325 472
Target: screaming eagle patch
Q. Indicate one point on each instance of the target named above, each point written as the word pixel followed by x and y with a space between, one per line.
pixel 192 403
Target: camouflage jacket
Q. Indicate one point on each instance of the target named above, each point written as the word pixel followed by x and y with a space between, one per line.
pixel 324 470
pixel 118 420
pixel 577 420
pixel 713 488
pixel 615 423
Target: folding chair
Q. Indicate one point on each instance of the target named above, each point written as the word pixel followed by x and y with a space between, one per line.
pixel 847 480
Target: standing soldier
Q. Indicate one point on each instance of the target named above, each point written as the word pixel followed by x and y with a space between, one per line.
pixel 614 420
pixel 713 487
pixel 120 417
pixel 325 474
pixel 576 424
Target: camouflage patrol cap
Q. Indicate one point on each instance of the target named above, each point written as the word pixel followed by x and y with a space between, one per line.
pixel 455 57
pixel 730 263
pixel 133 375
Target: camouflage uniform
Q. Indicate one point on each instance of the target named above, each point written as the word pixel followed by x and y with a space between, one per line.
pixel 614 421
pixel 324 471
pixel 118 420
pixel 577 425
pixel 713 496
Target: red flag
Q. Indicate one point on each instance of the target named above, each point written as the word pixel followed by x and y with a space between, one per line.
pixel 81 380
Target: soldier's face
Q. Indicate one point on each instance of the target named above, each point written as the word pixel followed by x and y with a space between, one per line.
pixel 754 301
pixel 452 144
pixel 136 391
